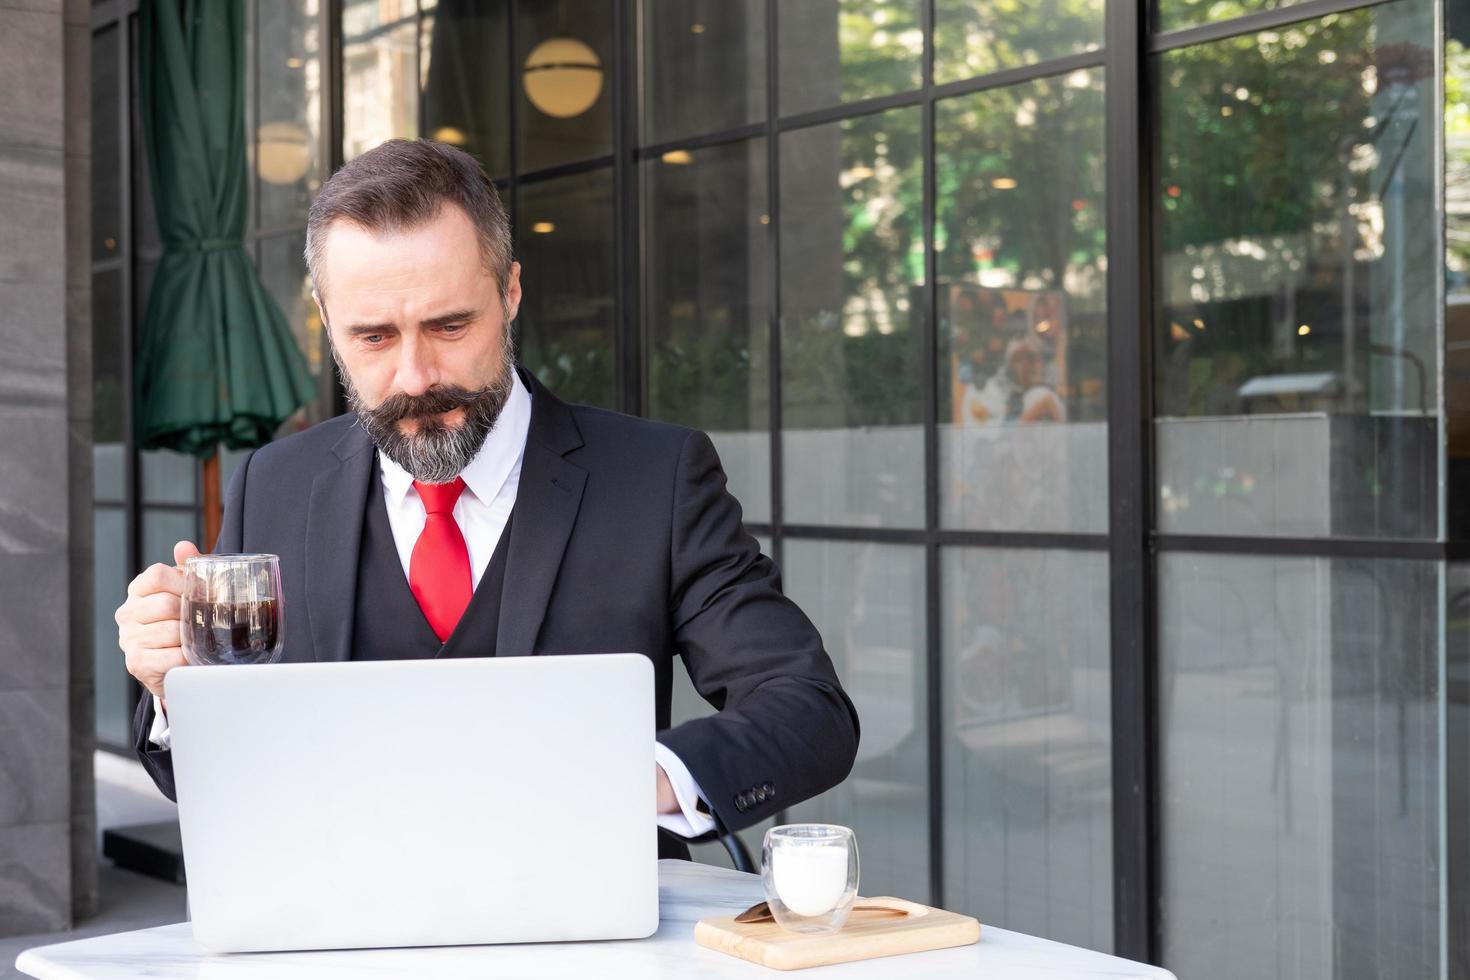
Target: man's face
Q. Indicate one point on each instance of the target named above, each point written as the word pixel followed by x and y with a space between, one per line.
pixel 421 335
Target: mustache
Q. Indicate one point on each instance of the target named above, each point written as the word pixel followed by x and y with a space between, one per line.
pixel 434 401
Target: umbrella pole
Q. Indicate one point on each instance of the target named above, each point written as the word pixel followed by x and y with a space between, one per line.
pixel 213 509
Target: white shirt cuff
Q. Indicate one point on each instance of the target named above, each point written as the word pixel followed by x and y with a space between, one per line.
pixel 689 822
pixel 158 734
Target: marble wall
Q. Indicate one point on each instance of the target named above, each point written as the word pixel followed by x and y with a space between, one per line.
pixel 48 859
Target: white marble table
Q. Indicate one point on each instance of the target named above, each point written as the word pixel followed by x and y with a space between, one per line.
pixel 687 892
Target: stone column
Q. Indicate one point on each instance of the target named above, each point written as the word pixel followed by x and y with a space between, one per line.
pixel 47 815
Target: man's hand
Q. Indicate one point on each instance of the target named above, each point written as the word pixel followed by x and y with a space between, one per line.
pixel 148 623
pixel 667 801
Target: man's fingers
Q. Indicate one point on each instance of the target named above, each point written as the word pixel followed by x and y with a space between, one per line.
pixel 155 608
pixel 149 636
pixel 157 578
pixel 183 551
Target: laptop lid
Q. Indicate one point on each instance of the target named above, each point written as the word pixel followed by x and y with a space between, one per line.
pixel 417 803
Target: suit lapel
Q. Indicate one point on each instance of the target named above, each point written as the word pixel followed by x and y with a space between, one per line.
pixel 547 501
pixel 333 538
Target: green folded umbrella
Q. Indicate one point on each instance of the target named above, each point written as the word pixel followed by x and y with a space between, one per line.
pixel 216 361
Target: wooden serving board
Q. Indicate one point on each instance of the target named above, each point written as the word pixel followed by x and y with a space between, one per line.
pixel 898 927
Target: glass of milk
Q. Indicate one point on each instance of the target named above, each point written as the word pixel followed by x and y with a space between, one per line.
pixel 810 874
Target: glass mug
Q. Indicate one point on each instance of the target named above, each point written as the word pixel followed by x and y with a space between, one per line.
pixel 230 611
pixel 810 875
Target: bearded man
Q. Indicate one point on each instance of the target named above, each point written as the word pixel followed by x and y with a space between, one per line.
pixel 461 510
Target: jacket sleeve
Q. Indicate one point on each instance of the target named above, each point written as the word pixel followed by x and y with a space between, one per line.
pixel 785 730
pixel 159 762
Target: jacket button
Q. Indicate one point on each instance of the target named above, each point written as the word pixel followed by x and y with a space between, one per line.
pixel 740 803
pixel 760 794
pixel 770 790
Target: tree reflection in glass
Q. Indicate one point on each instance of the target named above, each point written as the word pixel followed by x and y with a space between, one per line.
pixel 852 258
pixel 1298 296
pixel 835 51
pixel 976 37
pixel 1020 237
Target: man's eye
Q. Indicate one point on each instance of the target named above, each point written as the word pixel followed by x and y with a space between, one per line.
pixel 373 339
pixel 452 327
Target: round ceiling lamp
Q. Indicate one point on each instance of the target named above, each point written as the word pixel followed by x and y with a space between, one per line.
pixel 563 77
pixel 282 152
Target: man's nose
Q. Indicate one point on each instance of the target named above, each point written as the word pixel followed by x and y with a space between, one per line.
pixel 416 370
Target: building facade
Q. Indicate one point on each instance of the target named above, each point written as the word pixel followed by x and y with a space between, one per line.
pixel 1098 376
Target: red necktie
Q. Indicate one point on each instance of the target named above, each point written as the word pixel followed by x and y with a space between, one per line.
pixel 439 571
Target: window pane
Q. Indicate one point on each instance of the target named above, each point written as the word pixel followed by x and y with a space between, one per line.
pixel 283 272
pixel 147 243
pixel 976 37
pixel 868 601
pixel 705 306
pixel 568 307
pixel 1020 238
pixel 704 67
pixel 108 394
pixel 1298 340
pixel 852 259
pixel 1028 742
pixel 106 147
pixel 1173 14
pixel 162 529
pixel 834 51
pixel 1300 766
pixel 379 90
pixel 110 577
pixel 286 157
pixel 168 477
pixel 466 78
pixel 564 60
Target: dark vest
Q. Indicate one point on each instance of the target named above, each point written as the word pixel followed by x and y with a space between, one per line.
pixel 388 622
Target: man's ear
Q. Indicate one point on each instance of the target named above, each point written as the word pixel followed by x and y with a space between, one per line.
pixel 321 309
pixel 512 292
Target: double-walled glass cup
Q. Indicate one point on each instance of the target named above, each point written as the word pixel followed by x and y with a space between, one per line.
pixel 230 611
pixel 810 875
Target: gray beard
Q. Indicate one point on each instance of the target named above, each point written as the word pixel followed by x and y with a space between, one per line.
pixel 436 453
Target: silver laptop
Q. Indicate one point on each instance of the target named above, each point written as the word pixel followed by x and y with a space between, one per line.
pixel 417 803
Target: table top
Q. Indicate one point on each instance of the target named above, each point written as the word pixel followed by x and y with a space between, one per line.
pixel 687 893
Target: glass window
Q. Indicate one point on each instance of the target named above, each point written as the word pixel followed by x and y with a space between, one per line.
pixel 286 150
pixel 106 146
pixel 1299 748
pixel 976 37
pixel 109 397
pixel 168 477
pixel 1028 742
pixel 564 63
pixel 705 305
pixel 379 86
pixel 1297 390
pixel 852 310
pixel 162 529
pixel 283 272
pixel 1174 14
pixel 465 66
pixel 868 601
pixel 834 51
pixel 147 243
pixel 1020 238
pixel 568 310
pixel 704 67
pixel 110 577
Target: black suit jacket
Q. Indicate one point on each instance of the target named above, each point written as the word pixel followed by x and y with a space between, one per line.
pixel 624 539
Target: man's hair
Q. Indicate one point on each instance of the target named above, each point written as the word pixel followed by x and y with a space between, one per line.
pixel 401 184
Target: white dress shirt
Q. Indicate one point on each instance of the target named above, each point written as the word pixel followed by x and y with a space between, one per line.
pixel 482 511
